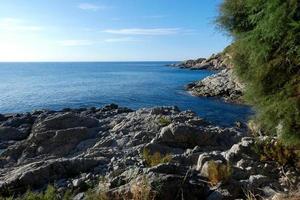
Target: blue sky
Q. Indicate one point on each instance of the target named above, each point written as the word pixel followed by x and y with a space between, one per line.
pixel 108 30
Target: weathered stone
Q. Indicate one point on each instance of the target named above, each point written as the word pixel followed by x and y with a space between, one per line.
pixel 223 84
pixel 11 133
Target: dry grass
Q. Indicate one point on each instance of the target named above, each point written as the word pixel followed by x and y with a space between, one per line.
pixel 156 158
pixel 249 195
pixel 218 172
pixel 142 190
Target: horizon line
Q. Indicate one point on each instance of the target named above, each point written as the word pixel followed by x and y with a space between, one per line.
pixel 86 61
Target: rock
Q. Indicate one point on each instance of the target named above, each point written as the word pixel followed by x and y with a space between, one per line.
pixel 205 158
pixel 187 136
pixel 223 84
pixel 37 174
pixel 75 148
pixel 214 62
pixel 77 182
pixel 11 133
pixel 177 187
pixel 79 196
pixel 17 120
pixel 64 121
pixel 257 181
pixel 2 118
pixel 219 194
pixel 240 150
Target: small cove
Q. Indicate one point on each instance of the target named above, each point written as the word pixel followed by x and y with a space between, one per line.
pixel 29 86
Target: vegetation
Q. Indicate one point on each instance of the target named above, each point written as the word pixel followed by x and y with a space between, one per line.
pixel 142 190
pixel 266 56
pixel 164 121
pixel 156 158
pixel 49 194
pixel 218 172
pixel 276 151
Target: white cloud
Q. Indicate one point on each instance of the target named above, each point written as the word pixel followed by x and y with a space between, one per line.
pixel 144 31
pixel 91 7
pixel 14 24
pixel 121 39
pixel 76 42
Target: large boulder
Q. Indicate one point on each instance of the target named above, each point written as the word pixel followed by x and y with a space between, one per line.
pixel 64 121
pixel 182 135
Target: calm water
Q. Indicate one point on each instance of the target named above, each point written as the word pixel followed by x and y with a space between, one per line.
pixel 29 86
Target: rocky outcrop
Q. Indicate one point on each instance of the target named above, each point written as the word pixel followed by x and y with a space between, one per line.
pixel 223 85
pixel 73 148
pixel 214 62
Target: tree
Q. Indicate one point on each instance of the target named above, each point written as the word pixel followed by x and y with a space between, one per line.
pixel 266 56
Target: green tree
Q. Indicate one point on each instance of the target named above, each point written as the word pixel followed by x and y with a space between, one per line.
pixel 266 56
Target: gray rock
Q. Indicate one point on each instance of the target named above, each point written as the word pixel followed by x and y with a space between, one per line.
pixel 79 196
pixel 206 157
pixel 258 180
pixel 11 133
pixel 37 174
pixel 64 121
pixel 223 84
pixel 240 150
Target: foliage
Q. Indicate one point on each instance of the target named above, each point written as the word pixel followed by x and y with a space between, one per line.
pixel 156 158
pixel 218 172
pixel 272 150
pixel 266 56
pixel 100 192
pixel 164 121
pixel 49 194
pixel 94 195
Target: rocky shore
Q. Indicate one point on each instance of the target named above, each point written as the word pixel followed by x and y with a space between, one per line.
pixel 160 152
pixel 214 62
pixel 224 84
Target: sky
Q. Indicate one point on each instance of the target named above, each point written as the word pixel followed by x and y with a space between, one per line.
pixel 109 30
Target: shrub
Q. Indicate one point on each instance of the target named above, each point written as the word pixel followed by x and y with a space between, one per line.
pixel 218 172
pixel 164 121
pixel 156 158
pixel 49 194
pixel 96 195
pixel 100 193
pixel 266 56
pixel 273 150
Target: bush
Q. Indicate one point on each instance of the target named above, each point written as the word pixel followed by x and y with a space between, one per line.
pixel 272 150
pixel 50 194
pixel 156 158
pixel 218 172
pixel 266 56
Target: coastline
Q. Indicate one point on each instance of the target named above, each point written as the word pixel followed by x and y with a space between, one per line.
pixel 72 149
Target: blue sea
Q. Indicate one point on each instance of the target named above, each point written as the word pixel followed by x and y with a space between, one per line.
pixel 49 85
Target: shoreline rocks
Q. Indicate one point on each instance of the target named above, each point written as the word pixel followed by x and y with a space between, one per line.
pixel 74 148
pixel 223 85
pixel 214 62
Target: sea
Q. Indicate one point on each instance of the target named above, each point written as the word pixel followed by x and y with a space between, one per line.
pixel 29 86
